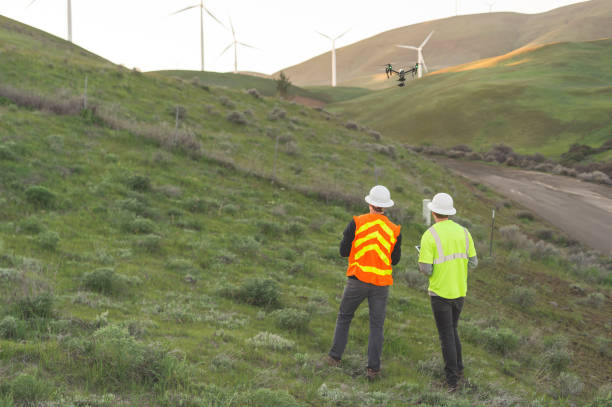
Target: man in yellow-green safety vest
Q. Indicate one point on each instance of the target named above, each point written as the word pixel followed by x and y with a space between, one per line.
pixel 446 251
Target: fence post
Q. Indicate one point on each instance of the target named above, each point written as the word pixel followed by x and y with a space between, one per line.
pixel 85 95
pixel 426 212
pixel 491 238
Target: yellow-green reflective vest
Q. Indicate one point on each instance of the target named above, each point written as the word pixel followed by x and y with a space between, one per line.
pixel 447 246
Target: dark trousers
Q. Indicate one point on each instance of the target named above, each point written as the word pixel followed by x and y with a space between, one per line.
pixel 446 313
pixel 354 293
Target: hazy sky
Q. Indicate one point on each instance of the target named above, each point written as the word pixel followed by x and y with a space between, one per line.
pixel 141 33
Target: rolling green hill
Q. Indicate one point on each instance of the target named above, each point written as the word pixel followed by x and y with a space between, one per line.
pixel 457 40
pixel 176 244
pixel 535 100
pixel 267 86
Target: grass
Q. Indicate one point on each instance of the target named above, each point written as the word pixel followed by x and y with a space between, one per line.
pixel 171 272
pixel 558 97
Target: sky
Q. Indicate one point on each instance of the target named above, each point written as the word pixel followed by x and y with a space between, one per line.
pixel 144 33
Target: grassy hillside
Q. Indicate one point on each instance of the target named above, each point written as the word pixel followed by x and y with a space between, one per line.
pixel 267 86
pixel 143 264
pixel 457 40
pixel 540 100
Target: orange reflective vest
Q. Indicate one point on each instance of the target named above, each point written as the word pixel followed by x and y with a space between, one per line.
pixel 370 257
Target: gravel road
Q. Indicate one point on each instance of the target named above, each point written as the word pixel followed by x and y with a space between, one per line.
pixel 581 209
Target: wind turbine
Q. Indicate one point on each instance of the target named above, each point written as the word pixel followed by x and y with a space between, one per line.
pixel 420 51
pixel 235 43
pixel 490 4
pixel 202 10
pixel 333 40
pixel 69 12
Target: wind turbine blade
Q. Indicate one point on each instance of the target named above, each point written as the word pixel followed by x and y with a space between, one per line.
pixel 247 45
pixel 424 65
pixel 32 2
pixel 326 36
pixel 426 39
pixel 176 12
pixel 342 34
pixel 232 26
pixel 407 46
pixel 226 48
pixel 215 18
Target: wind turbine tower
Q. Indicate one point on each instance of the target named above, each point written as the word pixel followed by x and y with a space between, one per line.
pixel 69 19
pixel 333 40
pixel 420 54
pixel 235 43
pixel 202 10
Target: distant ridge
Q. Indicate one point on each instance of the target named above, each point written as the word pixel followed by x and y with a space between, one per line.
pixel 458 40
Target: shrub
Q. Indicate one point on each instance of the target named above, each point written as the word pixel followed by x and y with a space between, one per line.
pixel 259 291
pixel 48 240
pixel 512 237
pixel 266 398
pixel 236 117
pixel 26 389
pixel 246 245
pixel 117 357
pixel 7 154
pixel 148 243
pixel 546 235
pixel 595 176
pixel 9 327
pixel 271 341
pixel 523 296
pixel 139 183
pixel 556 357
pixel 254 92
pixel 39 306
pixel 40 196
pixel 604 345
pixel 595 300
pixel 31 225
pixel 375 135
pixel 268 228
pixel 140 226
pixel 568 384
pixel 351 125
pixel 502 340
pixel 295 229
pixel 415 279
pixel 199 205
pixel 277 113
pixel 544 250
pixel 525 215
pixel 106 281
pixel 227 102
pixel 291 319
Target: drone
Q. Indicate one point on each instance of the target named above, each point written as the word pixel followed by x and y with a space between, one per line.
pixel 401 74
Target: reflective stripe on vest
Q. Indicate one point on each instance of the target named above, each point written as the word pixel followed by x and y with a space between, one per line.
pixel 441 257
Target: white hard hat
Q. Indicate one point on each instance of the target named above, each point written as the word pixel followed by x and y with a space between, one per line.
pixel 442 204
pixel 379 197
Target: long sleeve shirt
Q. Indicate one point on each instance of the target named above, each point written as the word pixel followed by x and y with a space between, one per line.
pixel 349 235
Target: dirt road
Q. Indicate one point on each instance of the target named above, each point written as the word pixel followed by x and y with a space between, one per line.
pixel 581 209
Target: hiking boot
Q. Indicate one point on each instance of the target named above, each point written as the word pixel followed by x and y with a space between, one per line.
pixel 331 361
pixel 451 388
pixel 372 374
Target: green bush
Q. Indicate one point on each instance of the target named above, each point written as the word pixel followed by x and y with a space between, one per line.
pixel 117 357
pixel 199 205
pixel 567 384
pixel 259 291
pixel 291 319
pixel 414 279
pixel 267 398
pixel 139 183
pixel 523 296
pixel 140 226
pixel 39 306
pixel 595 300
pixel 557 356
pixel 148 243
pixel 502 340
pixel 9 327
pixel 7 154
pixel 525 215
pixel 40 197
pixel 26 389
pixel 268 228
pixel 48 240
pixel 107 282
pixel 31 225
pixel 246 245
pixel 271 341
pixel 295 229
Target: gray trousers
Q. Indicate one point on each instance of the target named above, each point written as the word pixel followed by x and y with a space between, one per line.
pixel 354 294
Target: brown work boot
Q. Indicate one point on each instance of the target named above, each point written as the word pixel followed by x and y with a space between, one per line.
pixel 372 374
pixel 331 361
pixel 450 388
